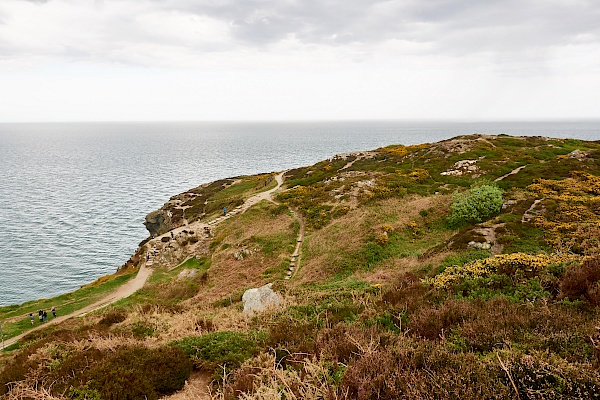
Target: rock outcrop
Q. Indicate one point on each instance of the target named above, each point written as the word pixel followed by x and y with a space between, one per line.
pixel 158 223
pixel 260 299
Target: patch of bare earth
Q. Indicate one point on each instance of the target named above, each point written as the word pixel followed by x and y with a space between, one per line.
pixel 489 234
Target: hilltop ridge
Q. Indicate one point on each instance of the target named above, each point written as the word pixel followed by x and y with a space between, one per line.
pixel 466 267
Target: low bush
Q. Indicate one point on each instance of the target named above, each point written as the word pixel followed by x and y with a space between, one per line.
pixel 515 265
pixel 289 337
pixel 537 377
pixel 123 373
pixel 479 204
pixel 406 291
pixel 139 373
pixel 422 372
pixel 214 349
pixel 112 317
pixel 582 281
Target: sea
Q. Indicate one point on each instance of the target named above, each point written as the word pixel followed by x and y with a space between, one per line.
pixel 73 196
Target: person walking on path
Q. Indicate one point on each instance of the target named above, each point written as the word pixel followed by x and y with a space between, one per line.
pixel 54 311
pixel 45 316
pixel 41 315
pixel 31 317
pixel 224 211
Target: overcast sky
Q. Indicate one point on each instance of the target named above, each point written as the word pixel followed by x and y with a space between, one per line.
pixel 135 60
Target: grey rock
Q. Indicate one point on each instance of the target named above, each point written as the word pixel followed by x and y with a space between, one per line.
pixel 187 273
pixel 157 223
pixel 480 245
pixel 260 299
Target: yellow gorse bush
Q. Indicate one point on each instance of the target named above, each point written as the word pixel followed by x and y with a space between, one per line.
pixel 501 263
pixel 579 186
pixel 577 201
pixel 401 150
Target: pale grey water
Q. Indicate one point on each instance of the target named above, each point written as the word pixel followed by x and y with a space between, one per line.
pixel 73 196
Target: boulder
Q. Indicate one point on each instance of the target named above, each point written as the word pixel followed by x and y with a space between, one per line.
pixel 480 245
pixel 157 223
pixel 260 299
pixel 187 274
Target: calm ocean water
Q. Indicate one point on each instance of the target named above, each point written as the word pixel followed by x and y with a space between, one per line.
pixel 74 196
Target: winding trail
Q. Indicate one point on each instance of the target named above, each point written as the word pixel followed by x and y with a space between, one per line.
pixel 133 285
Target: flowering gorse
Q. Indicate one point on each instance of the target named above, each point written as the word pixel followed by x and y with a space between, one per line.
pixel 508 264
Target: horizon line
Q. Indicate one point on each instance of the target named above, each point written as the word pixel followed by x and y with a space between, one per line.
pixel 317 120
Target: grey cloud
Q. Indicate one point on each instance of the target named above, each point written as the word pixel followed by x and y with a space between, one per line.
pixel 455 25
pixel 519 29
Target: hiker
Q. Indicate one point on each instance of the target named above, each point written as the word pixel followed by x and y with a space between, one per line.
pixel 45 315
pixel 31 318
pixel 54 311
pixel 41 315
pixel 172 237
pixel 224 210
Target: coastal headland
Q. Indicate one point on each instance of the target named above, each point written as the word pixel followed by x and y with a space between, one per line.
pixel 464 268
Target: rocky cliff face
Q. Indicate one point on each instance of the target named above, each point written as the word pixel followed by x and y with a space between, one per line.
pixel 158 222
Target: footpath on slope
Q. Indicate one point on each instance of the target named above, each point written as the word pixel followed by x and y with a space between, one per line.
pixel 295 259
pixel 133 285
pixel 123 291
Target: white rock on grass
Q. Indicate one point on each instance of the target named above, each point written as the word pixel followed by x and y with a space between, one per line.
pixel 187 273
pixel 260 299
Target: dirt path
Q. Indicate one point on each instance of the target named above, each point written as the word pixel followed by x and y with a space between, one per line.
pixel 199 226
pixel 295 259
pixel 489 233
pixel 196 388
pixel 144 272
pixel 514 171
pixel 122 291
pixel 531 212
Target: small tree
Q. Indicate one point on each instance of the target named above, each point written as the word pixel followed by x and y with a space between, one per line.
pixel 478 204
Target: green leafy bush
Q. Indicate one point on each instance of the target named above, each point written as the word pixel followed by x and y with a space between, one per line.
pixel 140 373
pixel 218 348
pixel 478 204
pixel 123 373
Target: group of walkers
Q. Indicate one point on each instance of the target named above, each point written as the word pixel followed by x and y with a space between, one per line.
pixel 42 315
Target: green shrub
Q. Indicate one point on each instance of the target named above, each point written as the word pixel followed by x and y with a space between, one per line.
pixel 83 393
pixel 138 373
pixel 478 204
pixel 219 348
pixel 123 373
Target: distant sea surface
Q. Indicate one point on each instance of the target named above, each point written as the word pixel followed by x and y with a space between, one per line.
pixel 73 196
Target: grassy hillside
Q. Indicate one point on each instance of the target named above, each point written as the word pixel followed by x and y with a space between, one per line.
pixel 464 268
